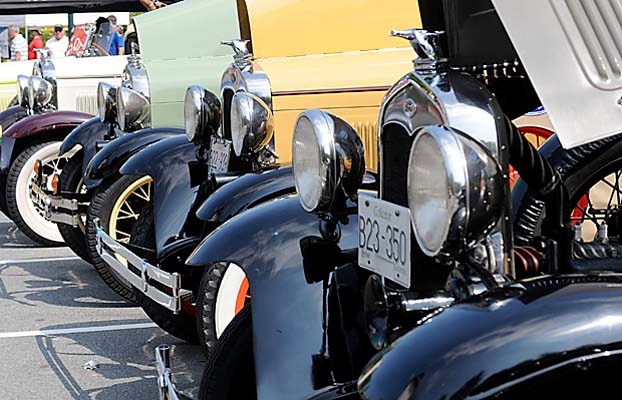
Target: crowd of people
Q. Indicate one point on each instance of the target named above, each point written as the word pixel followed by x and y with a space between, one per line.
pixel 57 46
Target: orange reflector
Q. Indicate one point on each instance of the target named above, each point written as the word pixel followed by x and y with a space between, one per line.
pixel 37 167
pixel 55 184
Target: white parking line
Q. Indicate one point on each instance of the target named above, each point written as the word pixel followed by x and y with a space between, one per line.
pixel 52 332
pixel 37 260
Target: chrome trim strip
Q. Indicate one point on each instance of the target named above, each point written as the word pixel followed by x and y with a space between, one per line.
pixel 108 249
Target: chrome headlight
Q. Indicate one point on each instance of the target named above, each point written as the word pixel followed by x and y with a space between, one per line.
pixel 106 102
pixel 252 123
pixel 132 109
pixel 23 88
pixel 455 190
pixel 202 113
pixel 40 92
pixel 328 160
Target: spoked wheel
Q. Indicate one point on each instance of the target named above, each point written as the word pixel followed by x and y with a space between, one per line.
pixel 118 206
pixel 592 175
pixel 181 325
pixel 71 181
pixel 19 192
pixel 230 370
pixel 224 291
pixel 598 211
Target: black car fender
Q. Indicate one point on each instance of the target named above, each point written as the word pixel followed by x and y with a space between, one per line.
pixel 36 128
pixel 7 118
pixel 87 136
pixel 168 162
pixel 247 191
pixel 11 115
pixel 551 332
pixel 265 242
pixel 110 158
pixel 254 188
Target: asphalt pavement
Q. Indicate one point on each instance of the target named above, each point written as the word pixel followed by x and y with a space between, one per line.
pixel 65 335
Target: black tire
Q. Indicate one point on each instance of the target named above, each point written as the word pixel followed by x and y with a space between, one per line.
pixel 207 297
pixel 182 325
pixel 71 181
pixel 13 208
pixel 101 206
pixel 580 168
pixel 230 370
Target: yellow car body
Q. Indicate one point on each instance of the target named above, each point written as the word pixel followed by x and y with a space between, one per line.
pixel 334 55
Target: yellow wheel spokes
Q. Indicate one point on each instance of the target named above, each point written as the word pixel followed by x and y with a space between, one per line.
pixel 126 209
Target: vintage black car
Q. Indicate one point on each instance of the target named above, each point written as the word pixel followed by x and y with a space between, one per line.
pixel 423 291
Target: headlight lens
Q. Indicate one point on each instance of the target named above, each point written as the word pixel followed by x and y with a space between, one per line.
pixel 202 114
pixel 132 110
pixel 455 190
pixel 309 171
pixel 430 195
pixel 252 123
pixel 40 92
pixel 106 102
pixel 23 88
pixel 328 160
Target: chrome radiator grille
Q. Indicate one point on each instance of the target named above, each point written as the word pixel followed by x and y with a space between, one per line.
pixel 368 131
pixel 594 30
pixel 86 103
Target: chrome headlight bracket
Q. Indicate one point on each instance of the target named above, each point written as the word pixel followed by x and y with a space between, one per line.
pixel 252 124
pixel 134 96
pixel 40 93
pixel 107 102
pixel 202 114
pixel 23 90
pixel 133 111
pixel 328 160
pixel 245 75
pixel 45 69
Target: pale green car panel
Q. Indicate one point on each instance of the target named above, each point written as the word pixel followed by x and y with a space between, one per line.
pixel 180 46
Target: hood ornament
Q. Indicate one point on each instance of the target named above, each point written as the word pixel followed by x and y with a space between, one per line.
pixel 426 44
pixel 242 55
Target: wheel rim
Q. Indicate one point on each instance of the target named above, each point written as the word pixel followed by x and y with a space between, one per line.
pixel 126 210
pixel 32 215
pixel 233 294
pixel 598 205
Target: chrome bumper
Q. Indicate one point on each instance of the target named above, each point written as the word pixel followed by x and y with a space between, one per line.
pixel 138 272
pixel 55 208
pixel 166 388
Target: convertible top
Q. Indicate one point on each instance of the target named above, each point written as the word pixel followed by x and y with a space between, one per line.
pixel 15 7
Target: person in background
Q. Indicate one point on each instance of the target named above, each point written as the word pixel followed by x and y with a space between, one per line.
pixel 59 43
pixel 19 46
pixel 152 4
pixel 117 42
pixel 35 43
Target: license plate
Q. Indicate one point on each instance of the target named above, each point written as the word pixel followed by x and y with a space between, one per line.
pixel 384 239
pixel 220 151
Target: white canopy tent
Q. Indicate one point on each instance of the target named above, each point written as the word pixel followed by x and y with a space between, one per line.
pixel 123 18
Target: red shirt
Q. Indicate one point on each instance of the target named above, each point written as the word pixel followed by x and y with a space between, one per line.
pixel 35 43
